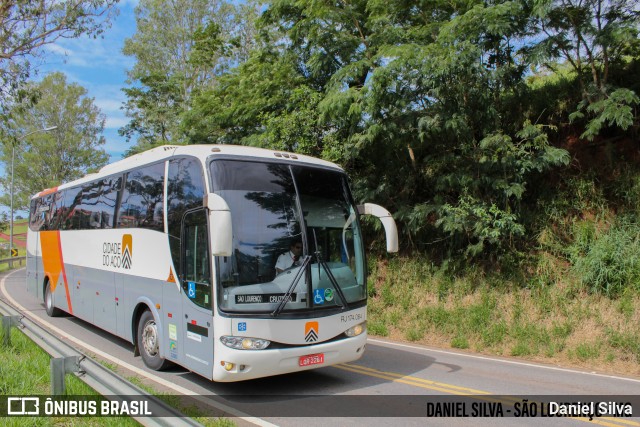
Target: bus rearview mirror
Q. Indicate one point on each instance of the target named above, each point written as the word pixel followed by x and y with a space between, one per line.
pixel 389 224
pixel 220 228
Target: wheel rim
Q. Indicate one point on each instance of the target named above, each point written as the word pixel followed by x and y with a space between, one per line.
pixel 150 338
pixel 47 299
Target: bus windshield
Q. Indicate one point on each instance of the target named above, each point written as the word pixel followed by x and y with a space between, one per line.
pixel 296 238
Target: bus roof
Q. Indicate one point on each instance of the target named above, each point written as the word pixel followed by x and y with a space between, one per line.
pixel 201 151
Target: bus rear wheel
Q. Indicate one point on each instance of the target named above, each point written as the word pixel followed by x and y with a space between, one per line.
pixel 148 341
pixel 48 302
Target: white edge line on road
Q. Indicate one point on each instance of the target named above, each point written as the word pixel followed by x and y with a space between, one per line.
pixel 513 362
pixel 161 381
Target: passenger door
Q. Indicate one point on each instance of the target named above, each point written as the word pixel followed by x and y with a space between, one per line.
pixel 197 293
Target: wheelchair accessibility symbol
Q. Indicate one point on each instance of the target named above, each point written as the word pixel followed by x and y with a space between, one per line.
pixel 192 290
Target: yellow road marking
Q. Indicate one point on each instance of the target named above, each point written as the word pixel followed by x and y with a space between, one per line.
pixel 602 422
pixel 464 391
pixel 420 382
pixel 620 420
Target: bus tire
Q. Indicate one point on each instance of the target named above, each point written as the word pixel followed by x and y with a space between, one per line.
pixel 52 311
pixel 148 341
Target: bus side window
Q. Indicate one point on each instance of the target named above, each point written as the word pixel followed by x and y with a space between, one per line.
pixel 143 192
pixel 44 212
pixel 89 208
pixel 36 216
pixel 107 203
pixel 185 191
pixel 56 211
pixel 71 217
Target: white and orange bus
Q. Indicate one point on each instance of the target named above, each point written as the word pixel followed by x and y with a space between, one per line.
pixel 175 250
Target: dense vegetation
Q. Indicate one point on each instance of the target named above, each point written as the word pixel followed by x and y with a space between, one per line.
pixel 501 133
pixel 411 299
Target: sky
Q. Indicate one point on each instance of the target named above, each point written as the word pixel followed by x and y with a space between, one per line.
pixel 99 66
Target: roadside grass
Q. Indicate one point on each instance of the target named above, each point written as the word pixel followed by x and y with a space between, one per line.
pixel 552 318
pixel 19 230
pixel 5 254
pixel 20 226
pixel 25 371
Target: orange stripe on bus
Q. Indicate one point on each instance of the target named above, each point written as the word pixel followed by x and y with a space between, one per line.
pixel 49 242
pixel 64 274
pixel 52 261
pixel 47 191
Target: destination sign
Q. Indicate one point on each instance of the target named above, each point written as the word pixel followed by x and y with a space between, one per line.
pixel 263 298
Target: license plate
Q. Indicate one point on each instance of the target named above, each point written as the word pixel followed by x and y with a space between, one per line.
pixel 311 359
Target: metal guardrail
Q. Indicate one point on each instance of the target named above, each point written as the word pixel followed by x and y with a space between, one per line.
pixel 96 376
pixel 20 260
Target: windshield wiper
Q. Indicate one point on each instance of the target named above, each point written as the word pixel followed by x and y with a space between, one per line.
pixel 330 275
pixel 333 281
pixel 292 286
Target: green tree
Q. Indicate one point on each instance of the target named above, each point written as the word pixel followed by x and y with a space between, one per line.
pixel 427 104
pixel 240 108
pixel 596 38
pixel 26 26
pixel 4 221
pixel 335 45
pixel 274 98
pixel 45 160
pixel 424 103
pixel 448 105
pixel 180 48
pixel 153 109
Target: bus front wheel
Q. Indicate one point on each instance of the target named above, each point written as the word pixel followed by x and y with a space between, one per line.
pixel 149 342
pixel 48 302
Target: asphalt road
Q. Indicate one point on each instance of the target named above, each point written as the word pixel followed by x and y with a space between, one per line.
pixel 393 384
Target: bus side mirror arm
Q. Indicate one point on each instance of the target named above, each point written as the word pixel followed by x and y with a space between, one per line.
pixel 390 229
pixel 220 228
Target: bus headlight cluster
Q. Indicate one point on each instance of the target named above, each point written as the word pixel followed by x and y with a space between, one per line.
pixel 356 330
pixel 244 343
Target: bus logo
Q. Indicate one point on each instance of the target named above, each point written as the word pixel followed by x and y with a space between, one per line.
pixel 311 330
pixel 127 250
pixel 118 254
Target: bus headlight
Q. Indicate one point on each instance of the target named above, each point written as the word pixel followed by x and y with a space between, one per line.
pixel 356 330
pixel 244 343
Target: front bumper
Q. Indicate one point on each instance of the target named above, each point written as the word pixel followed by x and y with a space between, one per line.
pixel 249 364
